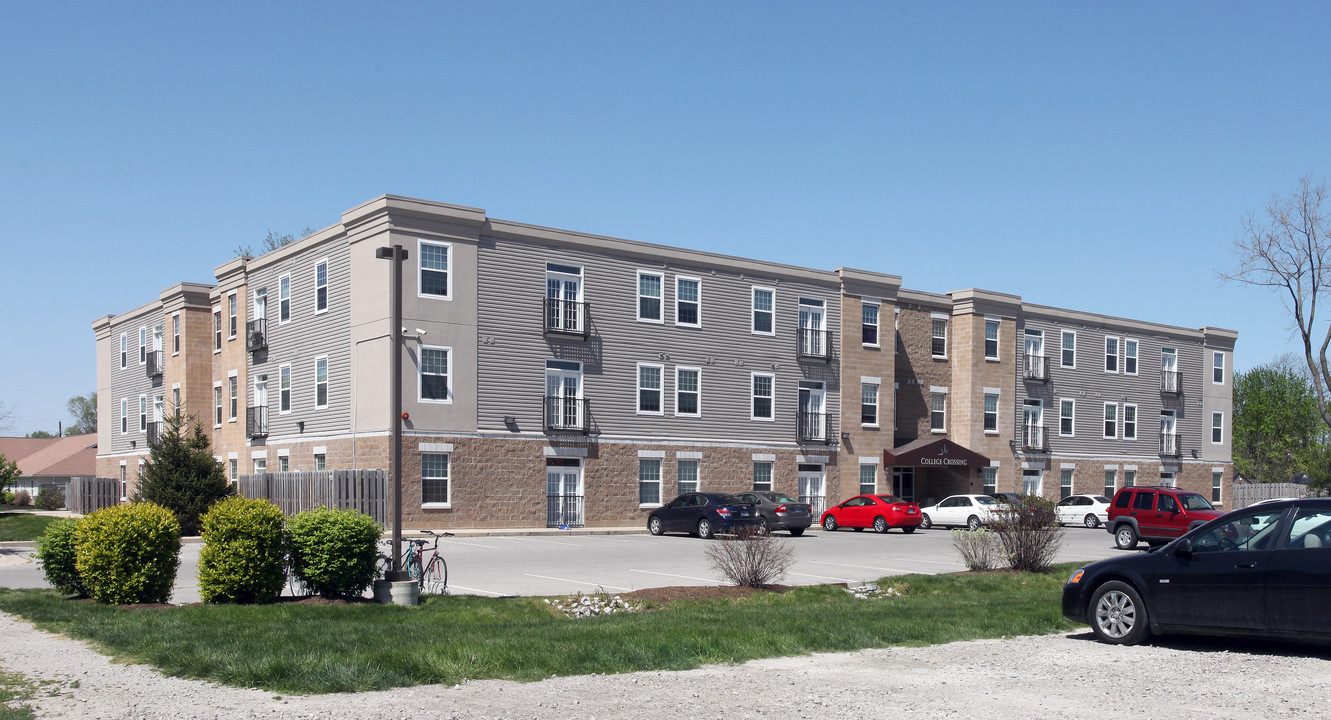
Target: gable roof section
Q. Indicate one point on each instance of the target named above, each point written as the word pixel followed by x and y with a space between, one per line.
pixel 937 452
pixel 62 457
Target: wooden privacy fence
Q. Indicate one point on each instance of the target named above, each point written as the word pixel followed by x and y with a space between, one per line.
pixel 1246 494
pixel 363 490
pixel 84 495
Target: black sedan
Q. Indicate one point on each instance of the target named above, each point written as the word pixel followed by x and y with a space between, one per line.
pixel 703 514
pixel 779 511
pixel 1264 570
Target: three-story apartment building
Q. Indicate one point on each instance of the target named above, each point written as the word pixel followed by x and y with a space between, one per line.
pixel 556 378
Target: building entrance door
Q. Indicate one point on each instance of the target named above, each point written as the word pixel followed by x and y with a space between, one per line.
pixel 811 487
pixel 563 493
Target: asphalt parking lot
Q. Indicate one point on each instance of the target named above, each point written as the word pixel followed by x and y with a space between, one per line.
pixel 560 563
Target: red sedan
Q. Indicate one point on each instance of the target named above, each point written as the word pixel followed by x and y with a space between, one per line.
pixel 880 512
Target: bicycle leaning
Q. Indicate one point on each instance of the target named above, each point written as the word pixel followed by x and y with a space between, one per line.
pixel 422 562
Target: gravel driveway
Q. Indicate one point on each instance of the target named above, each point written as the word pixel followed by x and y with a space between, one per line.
pixel 1053 676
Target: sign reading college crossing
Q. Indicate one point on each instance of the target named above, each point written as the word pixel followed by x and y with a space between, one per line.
pixel 930 452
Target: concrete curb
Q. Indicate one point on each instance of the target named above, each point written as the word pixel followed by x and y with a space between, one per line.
pixel 457 533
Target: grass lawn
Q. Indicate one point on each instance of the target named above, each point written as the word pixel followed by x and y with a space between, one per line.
pixel 291 648
pixel 22 525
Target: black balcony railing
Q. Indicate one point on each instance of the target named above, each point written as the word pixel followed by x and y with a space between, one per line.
pixel 1169 382
pixel 256 421
pixel 154 431
pixel 1033 437
pixel 815 427
pixel 565 317
pixel 154 363
pixel 256 335
pixel 565 414
pixel 814 344
pixel 1169 445
pixel 817 503
pixel 1036 367
pixel 563 511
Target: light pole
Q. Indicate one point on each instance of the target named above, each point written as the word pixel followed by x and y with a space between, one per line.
pixel 397 254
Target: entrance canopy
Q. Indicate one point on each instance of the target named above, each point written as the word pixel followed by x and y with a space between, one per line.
pixel 934 452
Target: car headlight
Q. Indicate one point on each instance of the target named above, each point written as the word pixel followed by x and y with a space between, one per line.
pixel 1076 576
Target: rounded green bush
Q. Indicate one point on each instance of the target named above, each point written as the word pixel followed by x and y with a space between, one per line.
pixel 333 551
pixel 55 551
pixel 128 553
pixel 243 559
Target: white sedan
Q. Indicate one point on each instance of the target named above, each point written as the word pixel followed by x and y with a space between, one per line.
pixel 1088 510
pixel 971 511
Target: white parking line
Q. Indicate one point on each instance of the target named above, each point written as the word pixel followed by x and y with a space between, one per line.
pixel 579 582
pixel 547 542
pixel 467 543
pixel 823 577
pixel 627 540
pixel 906 559
pixel 477 590
pixel 710 581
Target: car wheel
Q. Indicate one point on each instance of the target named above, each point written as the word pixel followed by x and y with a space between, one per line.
pixel 1092 521
pixel 1125 537
pixel 879 525
pixel 908 529
pixel 1117 614
pixel 973 522
pixel 654 526
pixel 796 532
pixel 829 523
pixel 925 522
pixel 762 526
pixel 705 529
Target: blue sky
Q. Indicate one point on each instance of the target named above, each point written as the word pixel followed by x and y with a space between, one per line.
pixel 1095 156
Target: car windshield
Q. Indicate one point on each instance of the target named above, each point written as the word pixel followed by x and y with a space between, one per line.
pixel 777 497
pixel 1193 501
pixel 985 500
pixel 890 499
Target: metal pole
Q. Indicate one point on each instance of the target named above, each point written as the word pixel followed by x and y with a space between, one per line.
pixel 395 378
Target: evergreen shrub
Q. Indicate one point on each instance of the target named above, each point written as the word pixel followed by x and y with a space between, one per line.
pixel 56 553
pixel 243 559
pixel 181 473
pixel 128 553
pixel 333 551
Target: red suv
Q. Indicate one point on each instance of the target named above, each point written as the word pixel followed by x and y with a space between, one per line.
pixel 1155 514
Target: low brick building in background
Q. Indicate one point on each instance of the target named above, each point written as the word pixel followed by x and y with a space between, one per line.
pixel 555 378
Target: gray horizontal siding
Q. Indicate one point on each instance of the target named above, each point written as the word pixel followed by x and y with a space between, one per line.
pixel 513 350
pixel 133 381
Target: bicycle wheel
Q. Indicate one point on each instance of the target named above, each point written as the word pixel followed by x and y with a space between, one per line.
pixel 436 576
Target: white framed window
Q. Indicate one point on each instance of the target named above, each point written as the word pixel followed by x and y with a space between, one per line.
pixel 1065 483
pixel 217 404
pixel 869 322
pixel 763 395
pixel 1032 482
pixel 869 404
pixel 233 394
pixel 1111 354
pixel 321 461
pixel 260 465
pixel 649 482
pixel 432 383
pixel 687 472
pixel 688 391
pixel 762 475
pixel 938 337
pixel 124 350
pixel 938 412
pixel 260 310
pixel 435 485
pixel 1129 357
pixel 1168 479
pixel 434 274
pixel 1111 421
pixel 284 298
pixel 989 478
pixel 143 413
pixel 321 382
pixel 217 330
pixel 175 334
pixel 124 481
pixel 991 413
pixel 1111 483
pixel 990 339
pixel 231 315
pixel 284 389
pixel 233 465
pixel 175 397
pixel 1067 417
pixel 1129 421
pixel 124 416
pixel 649 389
pixel 1129 478
pixel 764 310
pixel 868 479
pixel 1218 368
pixel 321 286
pixel 143 346
pixel 1217 428
pixel 688 301
pixel 1217 487
pixel 649 296
pixel 1068 344
pixel 283 463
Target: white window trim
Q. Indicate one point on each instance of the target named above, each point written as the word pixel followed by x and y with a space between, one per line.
pixel 878 322
pixel 860 478
pixel 124 350
pixel 1136 422
pixel 877 403
pixel 284 278
pixel 232 315
pixel 1217 414
pixel 215 332
pixel 217 403
pixel 1218 354
pixel 681 458
pixel 175 333
pixel 327 283
pixel 448 379
pixel 449 478
pixel 688 278
pixel 998 339
pixel 1123 361
pixel 143 345
pixel 1117 420
pixel 327 382
pixel 933 316
pixel 998 404
pixel 660 481
pixel 143 414
pixel 1118 352
pixel 753 309
pixel 233 394
pixel 1062 334
pixel 124 416
pixel 448 260
pixel 637 396
pixel 638 296
pixel 753 375
pixel 698 370
pixel 290 387
pixel 1073 417
pixel 936 390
